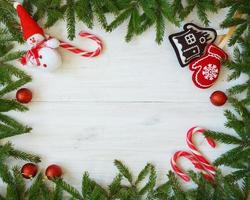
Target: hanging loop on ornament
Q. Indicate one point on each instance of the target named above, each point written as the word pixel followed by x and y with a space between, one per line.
pixel 189 139
pixel 81 52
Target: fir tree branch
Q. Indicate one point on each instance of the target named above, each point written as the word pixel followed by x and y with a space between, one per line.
pixel 69 189
pixel 124 171
pixel 224 138
pixel 8 105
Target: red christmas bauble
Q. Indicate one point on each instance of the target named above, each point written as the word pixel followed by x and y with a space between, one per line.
pixel 24 95
pixel 29 170
pixel 53 171
pixel 218 98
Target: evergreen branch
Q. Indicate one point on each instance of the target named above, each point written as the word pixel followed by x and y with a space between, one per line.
pixel 98 9
pixel 69 189
pixel 53 16
pixel 240 108
pixel 6 175
pixel 8 105
pixel 12 56
pixel 237 89
pixel 70 17
pixel 160 28
pixel 11 127
pixel 224 138
pixel 149 187
pixel 24 156
pixel 7 150
pixel 246 187
pixel 178 193
pixel 120 19
pixel 163 191
pixel 57 193
pixel 142 175
pixel 91 190
pixel 237 175
pixel 115 186
pixel 124 171
pixel 9 70
pixel 35 191
pixel 236 36
pixel 84 12
pixel 234 155
pixel 20 185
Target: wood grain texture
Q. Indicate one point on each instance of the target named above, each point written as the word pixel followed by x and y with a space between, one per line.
pixel 133 103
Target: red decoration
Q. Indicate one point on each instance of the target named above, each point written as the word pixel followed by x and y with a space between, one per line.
pixel 195 156
pixel 218 98
pixel 24 95
pixel 196 152
pixel 53 171
pixel 29 26
pixel 194 161
pixel 207 68
pixel 29 170
pixel 82 52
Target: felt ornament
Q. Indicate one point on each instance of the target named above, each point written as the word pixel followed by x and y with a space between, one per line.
pixel 191 43
pixel 206 69
pixel 41 52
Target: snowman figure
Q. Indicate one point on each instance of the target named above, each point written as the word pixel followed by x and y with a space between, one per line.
pixel 42 52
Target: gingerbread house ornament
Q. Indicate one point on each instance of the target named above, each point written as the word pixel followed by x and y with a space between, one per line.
pixel 191 43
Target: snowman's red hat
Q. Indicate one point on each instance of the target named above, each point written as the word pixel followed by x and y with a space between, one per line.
pixel 29 26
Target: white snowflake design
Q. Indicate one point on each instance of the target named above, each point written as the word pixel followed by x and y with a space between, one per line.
pixel 210 72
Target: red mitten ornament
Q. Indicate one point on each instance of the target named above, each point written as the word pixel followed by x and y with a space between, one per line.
pixel 207 68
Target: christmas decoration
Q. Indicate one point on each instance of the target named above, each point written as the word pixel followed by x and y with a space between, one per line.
pixel 53 171
pixel 207 68
pixel 81 52
pixel 29 170
pixel 24 95
pixel 195 162
pixel 191 43
pixel 198 160
pixel 42 53
pixel 234 185
pixel 205 163
pixel 218 98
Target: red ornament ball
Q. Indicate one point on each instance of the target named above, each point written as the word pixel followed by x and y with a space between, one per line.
pixel 53 171
pixel 29 170
pixel 218 98
pixel 24 95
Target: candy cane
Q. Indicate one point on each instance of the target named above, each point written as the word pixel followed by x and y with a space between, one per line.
pixel 195 162
pixel 207 165
pixel 82 52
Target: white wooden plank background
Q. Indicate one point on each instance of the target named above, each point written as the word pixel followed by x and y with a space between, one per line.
pixel 133 103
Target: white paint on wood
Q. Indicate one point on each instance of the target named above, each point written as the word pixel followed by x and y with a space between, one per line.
pixel 133 103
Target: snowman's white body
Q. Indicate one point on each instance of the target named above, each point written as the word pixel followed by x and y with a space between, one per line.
pixel 49 58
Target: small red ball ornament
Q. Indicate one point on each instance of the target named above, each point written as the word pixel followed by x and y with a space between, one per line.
pixel 29 170
pixel 53 171
pixel 218 98
pixel 24 95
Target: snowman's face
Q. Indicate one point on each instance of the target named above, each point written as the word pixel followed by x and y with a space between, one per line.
pixel 35 39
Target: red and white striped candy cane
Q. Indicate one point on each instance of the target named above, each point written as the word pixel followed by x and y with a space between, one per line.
pixel 207 165
pixel 82 52
pixel 195 162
